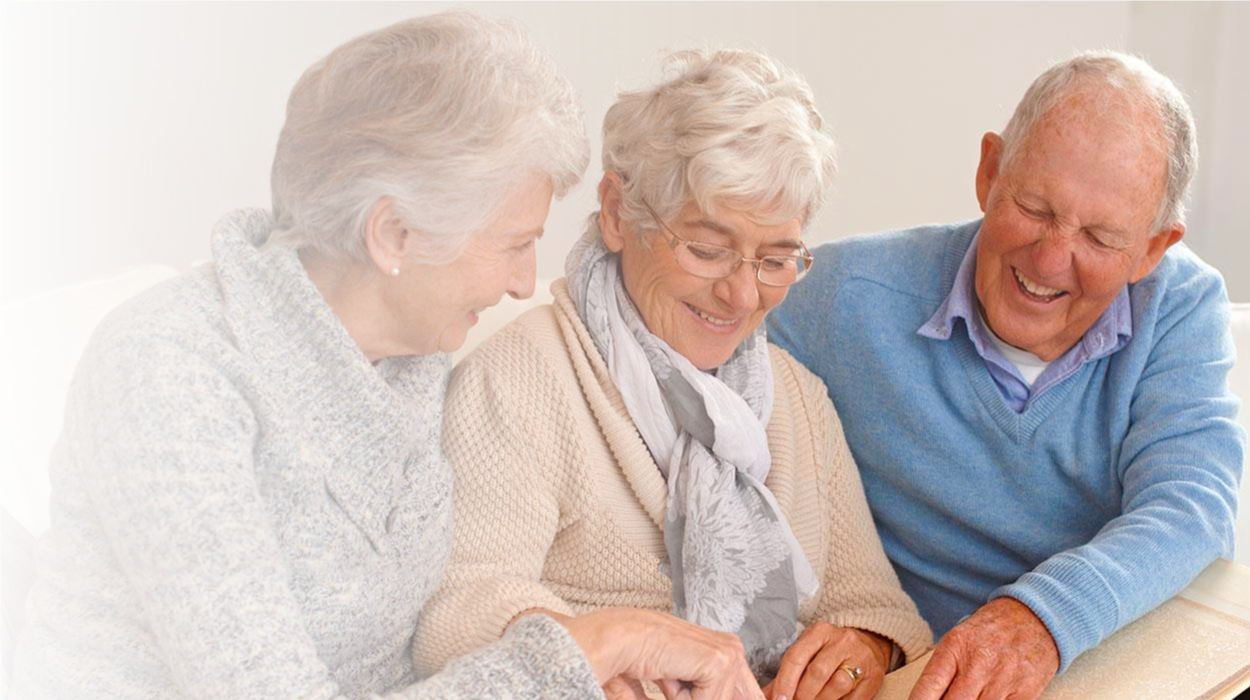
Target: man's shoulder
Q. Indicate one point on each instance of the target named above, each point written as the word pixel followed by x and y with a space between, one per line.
pixel 1182 279
pixel 1182 264
pixel 913 259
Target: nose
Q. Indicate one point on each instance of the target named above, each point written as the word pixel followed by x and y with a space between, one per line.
pixel 740 290
pixel 1052 255
pixel 521 277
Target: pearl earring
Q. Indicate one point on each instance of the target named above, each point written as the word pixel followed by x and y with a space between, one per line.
pixel 394 272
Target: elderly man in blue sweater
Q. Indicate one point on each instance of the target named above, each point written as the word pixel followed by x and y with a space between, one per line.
pixel 1038 399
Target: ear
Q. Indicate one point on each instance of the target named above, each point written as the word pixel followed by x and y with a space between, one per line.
pixel 386 239
pixel 610 226
pixel 987 169
pixel 1156 246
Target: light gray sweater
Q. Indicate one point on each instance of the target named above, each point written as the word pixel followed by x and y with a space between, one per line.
pixel 245 507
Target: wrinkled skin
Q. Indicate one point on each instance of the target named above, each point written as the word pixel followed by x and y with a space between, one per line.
pixel 1001 651
pixel 811 668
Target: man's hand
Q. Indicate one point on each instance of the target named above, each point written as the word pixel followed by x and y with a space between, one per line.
pixel 1000 651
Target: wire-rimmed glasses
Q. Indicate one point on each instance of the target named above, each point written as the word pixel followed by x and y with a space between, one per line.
pixel 716 262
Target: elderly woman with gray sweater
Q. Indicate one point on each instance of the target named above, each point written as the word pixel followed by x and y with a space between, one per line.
pixel 250 499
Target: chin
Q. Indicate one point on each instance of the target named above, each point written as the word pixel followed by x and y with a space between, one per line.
pixel 709 360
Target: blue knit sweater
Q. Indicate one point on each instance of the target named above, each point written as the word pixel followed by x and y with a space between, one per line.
pixel 1105 497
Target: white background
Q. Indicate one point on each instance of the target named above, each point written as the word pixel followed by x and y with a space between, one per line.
pixel 127 130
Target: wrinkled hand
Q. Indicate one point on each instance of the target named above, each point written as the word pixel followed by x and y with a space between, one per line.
pixel 687 661
pixel 624 688
pixel 812 667
pixel 1002 650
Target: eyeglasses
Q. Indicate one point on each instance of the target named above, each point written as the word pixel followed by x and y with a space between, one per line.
pixel 717 262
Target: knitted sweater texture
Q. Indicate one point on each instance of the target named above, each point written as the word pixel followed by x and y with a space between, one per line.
pixel 245 507
pixel 560 505
pixel 1104 498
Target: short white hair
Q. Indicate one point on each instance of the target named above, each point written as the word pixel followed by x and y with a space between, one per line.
pixel 446 114
pixel 1112 75
pixel 733 127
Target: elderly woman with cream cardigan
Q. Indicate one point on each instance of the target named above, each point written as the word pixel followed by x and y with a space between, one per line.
pixel 640 443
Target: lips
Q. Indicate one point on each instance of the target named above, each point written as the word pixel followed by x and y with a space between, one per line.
pixel 1035 290
pixel 713 320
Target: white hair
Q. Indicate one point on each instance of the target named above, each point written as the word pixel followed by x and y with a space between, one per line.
pixel 1107 76
pixel 732 127
pixel 446 114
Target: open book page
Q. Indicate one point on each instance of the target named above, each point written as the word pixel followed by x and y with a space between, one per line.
pixel 1183 649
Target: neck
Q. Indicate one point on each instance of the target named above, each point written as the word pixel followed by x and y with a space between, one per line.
pixel 354 294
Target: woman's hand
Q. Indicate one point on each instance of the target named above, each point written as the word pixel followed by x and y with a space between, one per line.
pixel 815 666
pixel 625 645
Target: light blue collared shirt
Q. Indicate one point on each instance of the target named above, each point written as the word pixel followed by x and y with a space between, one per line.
pixel 1110 333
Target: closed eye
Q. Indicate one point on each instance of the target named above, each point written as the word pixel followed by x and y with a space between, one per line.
pixel 1035 213
pixel 1099 241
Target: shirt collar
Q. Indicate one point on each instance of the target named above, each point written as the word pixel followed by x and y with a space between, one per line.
pixel 1109 333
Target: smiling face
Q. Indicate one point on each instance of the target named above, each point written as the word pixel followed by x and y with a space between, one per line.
pixel 1067 224
pixel 435 305
pixel 704 320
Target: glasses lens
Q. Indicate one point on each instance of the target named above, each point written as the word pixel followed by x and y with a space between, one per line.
pixel 704 260
pixel 782 270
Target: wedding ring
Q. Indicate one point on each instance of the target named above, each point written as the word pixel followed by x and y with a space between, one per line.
pixel 854 672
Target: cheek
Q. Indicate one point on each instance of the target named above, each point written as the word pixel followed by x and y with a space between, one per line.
pixel 772 297
pixel 1104 278
pixel 1009 231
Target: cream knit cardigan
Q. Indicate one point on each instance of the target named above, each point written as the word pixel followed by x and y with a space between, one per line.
pixel 558 503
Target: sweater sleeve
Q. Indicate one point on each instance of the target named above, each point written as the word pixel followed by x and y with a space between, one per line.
pixel 859 588
pixel 507 502
pixel 1179 465
pixel 536 658
pixel 163 443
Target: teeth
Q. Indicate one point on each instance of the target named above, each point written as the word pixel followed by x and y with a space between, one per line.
pixel 1037 289
pixel 712 319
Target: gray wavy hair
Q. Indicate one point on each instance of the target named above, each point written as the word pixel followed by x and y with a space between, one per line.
pixel 1113 75
pixel 446 114
pixel 733 127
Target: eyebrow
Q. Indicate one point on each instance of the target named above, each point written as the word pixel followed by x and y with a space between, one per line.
pixel 722 229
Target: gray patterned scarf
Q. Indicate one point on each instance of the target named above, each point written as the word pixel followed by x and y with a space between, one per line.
pixel 735 564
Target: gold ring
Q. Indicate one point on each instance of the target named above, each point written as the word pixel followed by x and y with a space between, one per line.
pixel 854 672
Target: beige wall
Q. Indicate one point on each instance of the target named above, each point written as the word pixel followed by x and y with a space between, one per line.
pixel 127 130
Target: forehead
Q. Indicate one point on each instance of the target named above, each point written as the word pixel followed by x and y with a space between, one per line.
pixel 742 222
pixel 1098 163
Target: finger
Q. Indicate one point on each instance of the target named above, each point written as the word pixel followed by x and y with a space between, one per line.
pixel 867 687
pixel 840 684
pixel 793 663
pixel 965 686
pixel 730 676
pixel 1000 687
pixel 673 690
pixel 823 677
pixel 622 688
pixel 936 677
pixel 750 687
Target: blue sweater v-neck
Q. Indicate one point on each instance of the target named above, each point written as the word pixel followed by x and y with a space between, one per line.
pixel 1102 499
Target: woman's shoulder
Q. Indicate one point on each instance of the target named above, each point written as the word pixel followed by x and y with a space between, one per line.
pixel 520 342
pixel 797 383
pixel 185 308
pixel 177 327
pixel 516 365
